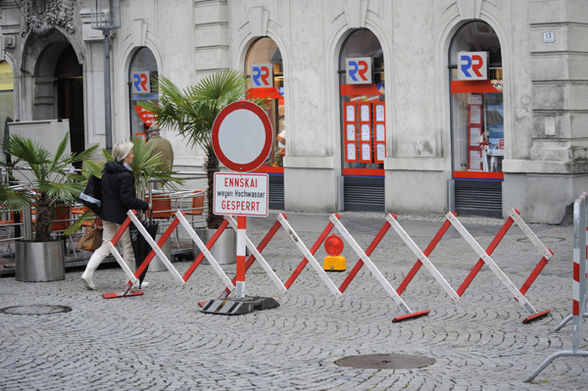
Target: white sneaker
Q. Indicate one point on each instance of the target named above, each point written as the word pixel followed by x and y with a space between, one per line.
pixel 87 280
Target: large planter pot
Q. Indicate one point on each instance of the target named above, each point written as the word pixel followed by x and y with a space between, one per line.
pixel 39 261
pixel 225 248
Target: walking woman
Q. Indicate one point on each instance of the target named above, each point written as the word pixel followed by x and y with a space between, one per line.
pixel 118 196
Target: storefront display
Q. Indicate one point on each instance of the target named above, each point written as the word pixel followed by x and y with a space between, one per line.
pixel 142 87
pixel 476 100
pixel 6 94
pixel 362 99
pixel 363 121
pixel 477 120
pixel 263 66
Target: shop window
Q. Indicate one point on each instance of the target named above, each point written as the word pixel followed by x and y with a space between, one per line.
pixel 142 87
pixel 263 66
pixel 6 86
pixel 363 122
pixel 477 111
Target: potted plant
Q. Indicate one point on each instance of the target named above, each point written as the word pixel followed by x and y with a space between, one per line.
pixel 52 183
pixel 192 112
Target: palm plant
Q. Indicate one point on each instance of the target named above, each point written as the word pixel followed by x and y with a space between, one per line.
pixel 50 177
pixel 13 200
pixel 147 165
pixel 192 112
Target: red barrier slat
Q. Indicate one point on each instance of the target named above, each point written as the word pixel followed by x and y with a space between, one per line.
pixel 470 277
pixel 209 245
pixel 121 230
pixel 413 315
pixel 381 233
pixel 313 250
pixel 417 265
pixel 260 247
pixel 534 274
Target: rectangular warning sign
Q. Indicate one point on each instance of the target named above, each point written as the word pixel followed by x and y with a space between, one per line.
pixel 238 194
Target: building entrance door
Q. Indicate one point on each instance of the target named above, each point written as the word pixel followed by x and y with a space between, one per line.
pixel 70 93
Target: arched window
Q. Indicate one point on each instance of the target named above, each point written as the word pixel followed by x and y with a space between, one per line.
pixel 477 122
pixel 6 87
pixel 361 82
pixel 142 87
pixel 363 121
pixel 263 66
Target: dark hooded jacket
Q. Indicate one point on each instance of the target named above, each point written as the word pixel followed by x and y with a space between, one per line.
pixel 118 193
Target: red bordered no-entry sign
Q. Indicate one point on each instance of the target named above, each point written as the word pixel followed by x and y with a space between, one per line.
pixel 242 136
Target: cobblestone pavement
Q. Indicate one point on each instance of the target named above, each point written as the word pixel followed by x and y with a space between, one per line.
pixel 160 341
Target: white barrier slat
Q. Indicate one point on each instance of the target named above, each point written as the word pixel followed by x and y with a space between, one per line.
pixel 219 270
pixel 122 262
pixel 490 262
pixel 375 271
pixel 422 257
pixel 268 269
pixel 317 267
pixel 530 234
pixel 155 247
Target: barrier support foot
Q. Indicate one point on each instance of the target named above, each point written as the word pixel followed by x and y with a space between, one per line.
pixel 117 295
pixel 410 316
pixel 536 316
pixel 237 306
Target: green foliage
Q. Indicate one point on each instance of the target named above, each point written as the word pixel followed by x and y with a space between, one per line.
pixel 192 111
pixel 51 177
pixel 13 200
pixel 148 165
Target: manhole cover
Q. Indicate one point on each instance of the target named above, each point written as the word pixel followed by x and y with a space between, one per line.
pixel 386 361
pixel 37 309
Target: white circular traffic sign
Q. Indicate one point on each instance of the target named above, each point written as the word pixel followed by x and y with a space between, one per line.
pixel 242 136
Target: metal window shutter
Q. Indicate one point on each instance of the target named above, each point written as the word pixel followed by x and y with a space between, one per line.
pixel 276 191
pixel 364 193
pixel 479 198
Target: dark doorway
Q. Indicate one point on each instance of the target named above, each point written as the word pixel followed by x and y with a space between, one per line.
pixel 70 93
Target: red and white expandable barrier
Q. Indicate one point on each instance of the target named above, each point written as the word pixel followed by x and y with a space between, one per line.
pixel 309 257
pixel 156 250
pixel 519 296
pixel 579 284
pixel 391 221
pixel 485 258
pixel 409 314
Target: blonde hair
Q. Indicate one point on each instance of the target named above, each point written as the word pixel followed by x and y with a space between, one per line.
pixel 121 150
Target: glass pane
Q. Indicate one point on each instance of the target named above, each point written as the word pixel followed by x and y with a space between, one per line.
pixel 264 51
pixel 477 115
pixel 476 37
pixel 363 126
pixel 142 87
pixel 6 96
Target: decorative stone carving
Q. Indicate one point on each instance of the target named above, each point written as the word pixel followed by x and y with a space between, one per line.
pixel 258 20
pixel 356 12
pixel 41 16
pixel 469 9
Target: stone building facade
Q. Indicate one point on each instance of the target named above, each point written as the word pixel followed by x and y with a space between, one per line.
pixel 376 104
